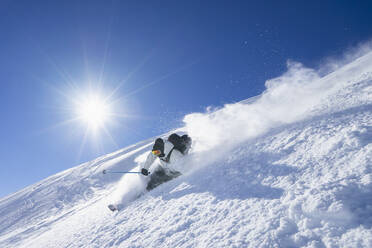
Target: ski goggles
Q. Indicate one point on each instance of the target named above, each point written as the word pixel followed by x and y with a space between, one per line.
pixel 156 152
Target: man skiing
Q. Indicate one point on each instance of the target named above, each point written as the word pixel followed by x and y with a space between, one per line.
pixel 168 152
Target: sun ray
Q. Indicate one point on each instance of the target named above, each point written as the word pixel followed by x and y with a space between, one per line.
pixel 110 136
pixel 137 68
pixel 58 125
pixel 139 134
pixel 62 73
pixel 108 39
pixel 130 116
pixel 82 145
pixel 181 68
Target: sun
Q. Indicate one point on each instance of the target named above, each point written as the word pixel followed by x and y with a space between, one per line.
pixel 93 110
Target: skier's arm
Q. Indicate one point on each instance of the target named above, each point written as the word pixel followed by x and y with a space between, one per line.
pixel 149 160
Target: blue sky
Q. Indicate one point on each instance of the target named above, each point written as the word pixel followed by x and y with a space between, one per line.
pixel 159 60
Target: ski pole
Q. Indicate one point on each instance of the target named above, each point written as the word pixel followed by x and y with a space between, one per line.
pixel 121 172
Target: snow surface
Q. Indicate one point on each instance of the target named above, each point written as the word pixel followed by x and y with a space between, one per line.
pixel 288 168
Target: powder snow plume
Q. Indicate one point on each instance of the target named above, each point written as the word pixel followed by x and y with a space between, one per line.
pixel 293 96
pixel 129 187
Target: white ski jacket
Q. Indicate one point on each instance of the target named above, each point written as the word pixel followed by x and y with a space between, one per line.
pixel 168 146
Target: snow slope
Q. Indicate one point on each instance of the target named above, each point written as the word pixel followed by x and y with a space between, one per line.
pixel 289 168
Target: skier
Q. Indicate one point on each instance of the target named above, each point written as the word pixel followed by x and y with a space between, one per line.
pixel 168 152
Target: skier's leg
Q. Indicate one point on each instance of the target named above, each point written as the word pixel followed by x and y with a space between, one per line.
pixel 173 174
pixel 156 178
pixel 161 176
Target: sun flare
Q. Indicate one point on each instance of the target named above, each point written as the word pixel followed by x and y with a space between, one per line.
pixel 93 110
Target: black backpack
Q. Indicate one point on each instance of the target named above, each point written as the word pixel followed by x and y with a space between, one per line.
pixel 180 143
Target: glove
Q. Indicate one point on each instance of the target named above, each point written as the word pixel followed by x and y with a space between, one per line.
pixel 145 172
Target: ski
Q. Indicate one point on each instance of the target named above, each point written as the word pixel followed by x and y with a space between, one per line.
pixel 112 207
